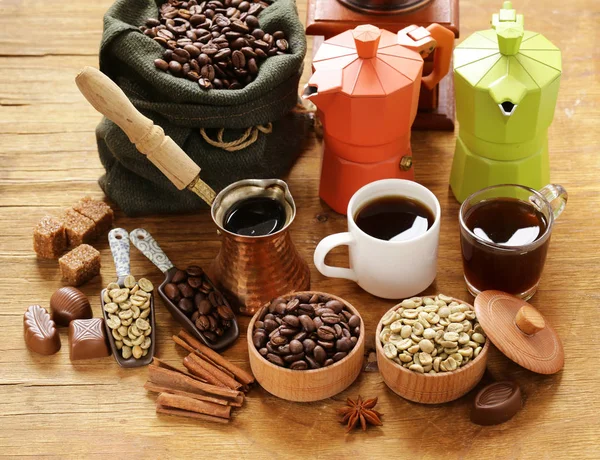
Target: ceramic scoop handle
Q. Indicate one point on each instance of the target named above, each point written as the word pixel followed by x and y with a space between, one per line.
pixel 118 238
pixel 148 246
pixel 108 99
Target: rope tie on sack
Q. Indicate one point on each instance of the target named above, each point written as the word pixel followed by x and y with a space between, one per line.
pixel 248 138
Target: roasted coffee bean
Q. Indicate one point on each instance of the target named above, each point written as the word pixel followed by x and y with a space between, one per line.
pixel 260 53
pixel 179 277
pixel 299 335
pixel 287 331
pixel 293 358
pixel 175 67
pixel 248 52
pixel 293 304
pixel 296 346
pixel 194 270
pixel 225 313
pixel 271 325
pixel 204 83
pixel 326 333
pixel 208 71
pixel 222 54
pixel 354 321
pixel 299 365
pixel 192 50
pixel 255 9
pixel 307 323
pixel 275 359
pixel 203 323
pixel 194 316
pixel 263 352
pixel 278 35
pixel 279 340
pixel 251 21
pixel 259 339
pixel 172 292
pixel 312 363
pixel 186 290
pixel 284 350
pixel 326 344
pixel 151 22
pixel 282 44
pixel 162 65
pixel 186 306
pixel 239 26
pixel 195 282
pixel 291 320
pixel 343 344
pixel 258 33
pixel 320 354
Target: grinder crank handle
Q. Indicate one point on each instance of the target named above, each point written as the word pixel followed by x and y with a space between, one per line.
pixel 108 99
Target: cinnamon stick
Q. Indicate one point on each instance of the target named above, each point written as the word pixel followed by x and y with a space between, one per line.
pixel 184 413
pixel 192 405
pixel 215 372
pixel 179 381
pixel 213 399
pixel 239 373
pixel 201 372
pixel 182 343
pixel 161 363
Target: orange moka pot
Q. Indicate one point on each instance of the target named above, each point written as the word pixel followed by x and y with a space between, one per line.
pixel 365 85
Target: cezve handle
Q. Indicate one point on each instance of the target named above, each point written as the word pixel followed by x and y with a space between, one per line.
pixel 143 240
pixel 107 98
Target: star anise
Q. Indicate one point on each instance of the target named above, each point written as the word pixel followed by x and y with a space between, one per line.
pixel 360 411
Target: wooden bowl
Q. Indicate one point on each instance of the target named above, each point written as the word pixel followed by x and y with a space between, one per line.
pixel 312 384
pixel 430 388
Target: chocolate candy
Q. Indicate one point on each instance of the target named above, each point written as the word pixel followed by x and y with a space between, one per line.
pixel 496 403
pixel 79 265
pixel 49 238
pixel 87 339
pixel 40 331
pixel 69 303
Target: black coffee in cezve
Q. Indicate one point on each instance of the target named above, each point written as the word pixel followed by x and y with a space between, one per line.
pixel 394 218
pixel 255 216
pixel 510 223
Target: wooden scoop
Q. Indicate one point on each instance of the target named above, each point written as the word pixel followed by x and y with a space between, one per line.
pixel 108 99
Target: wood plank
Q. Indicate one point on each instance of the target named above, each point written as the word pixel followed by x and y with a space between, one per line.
pixel 53 408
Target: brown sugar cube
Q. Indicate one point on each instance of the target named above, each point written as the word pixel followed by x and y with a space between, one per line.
pixel 80 229
pixel 79 265
pixel 98 211
pixel 49 238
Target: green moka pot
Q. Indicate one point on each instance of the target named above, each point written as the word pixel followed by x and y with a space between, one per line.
pixel 506 82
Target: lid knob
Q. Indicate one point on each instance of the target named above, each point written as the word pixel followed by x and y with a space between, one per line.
pixel 509 27
pixel 366 39
pixel 529 320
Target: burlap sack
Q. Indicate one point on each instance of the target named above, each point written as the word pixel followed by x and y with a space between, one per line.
pixel 181 108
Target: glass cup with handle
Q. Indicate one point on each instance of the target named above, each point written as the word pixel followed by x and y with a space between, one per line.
pixel 505 233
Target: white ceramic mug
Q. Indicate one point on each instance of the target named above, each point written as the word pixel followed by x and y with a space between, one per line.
pixel 388 269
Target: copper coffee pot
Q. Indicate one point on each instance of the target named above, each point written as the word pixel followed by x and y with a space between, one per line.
pixel 249 270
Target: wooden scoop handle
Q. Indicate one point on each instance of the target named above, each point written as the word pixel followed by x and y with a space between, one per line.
pixel 108 99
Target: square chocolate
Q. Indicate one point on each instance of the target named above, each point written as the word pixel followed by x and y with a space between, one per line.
pixel 80 229
pixel 98 211
pixel 79 265
pixel 49 238
pixel 87 339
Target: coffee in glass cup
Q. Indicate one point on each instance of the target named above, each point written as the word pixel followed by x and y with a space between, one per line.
pixel 505 234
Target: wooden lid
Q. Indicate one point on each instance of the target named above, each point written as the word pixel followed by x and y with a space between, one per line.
pixel 520 332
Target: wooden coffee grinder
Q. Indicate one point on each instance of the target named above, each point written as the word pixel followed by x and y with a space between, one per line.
pixel 327 18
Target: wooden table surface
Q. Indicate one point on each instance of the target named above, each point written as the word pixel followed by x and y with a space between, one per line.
pixel 51 407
